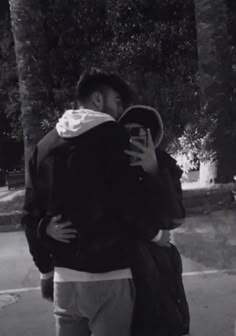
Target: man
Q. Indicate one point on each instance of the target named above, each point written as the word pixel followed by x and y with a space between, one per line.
pixel 79 170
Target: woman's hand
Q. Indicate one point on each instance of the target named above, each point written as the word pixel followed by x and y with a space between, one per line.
pixel 163 238
pixel 61 231
pixel 145 155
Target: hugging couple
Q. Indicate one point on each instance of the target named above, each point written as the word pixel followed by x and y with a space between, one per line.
pixel 98 208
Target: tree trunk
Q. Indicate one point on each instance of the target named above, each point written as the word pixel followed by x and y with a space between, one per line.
pixel 28 32
pixel 215 69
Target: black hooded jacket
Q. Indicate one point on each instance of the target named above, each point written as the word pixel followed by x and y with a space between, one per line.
pixel 116 210
pixel 87 179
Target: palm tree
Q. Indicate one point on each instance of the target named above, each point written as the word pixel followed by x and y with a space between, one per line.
pixel 27 26
pixel 215 71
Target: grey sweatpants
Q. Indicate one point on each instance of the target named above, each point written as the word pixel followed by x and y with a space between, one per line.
pixel 101 308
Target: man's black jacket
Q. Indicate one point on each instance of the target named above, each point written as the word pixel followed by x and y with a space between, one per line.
pixel 116 211
pixel 87 179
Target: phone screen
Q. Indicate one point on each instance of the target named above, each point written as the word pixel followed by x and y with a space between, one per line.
pixel 138 134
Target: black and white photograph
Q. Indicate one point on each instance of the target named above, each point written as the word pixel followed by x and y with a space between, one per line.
pixel 117 168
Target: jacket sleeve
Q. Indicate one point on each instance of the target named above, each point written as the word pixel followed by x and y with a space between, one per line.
pixel 169 200
pixel 150 203
pixel 133 197
pixel 30 219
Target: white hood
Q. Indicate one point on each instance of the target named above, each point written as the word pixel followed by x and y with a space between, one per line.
pixel 77 122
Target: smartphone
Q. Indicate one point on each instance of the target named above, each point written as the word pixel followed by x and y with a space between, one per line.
pixel 139 134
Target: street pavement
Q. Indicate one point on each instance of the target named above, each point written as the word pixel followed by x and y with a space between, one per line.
pixel 208 247
pixel 7 195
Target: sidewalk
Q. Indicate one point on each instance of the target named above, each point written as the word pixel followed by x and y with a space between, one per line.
pixel 11 202
pixel 211 300
pixel 8 195
pixel 30 316
pixel 198 202
pixel 207 242
pixel 208 235
pixel 209 239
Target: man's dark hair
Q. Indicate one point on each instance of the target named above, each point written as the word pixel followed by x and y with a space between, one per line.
pixel 97 80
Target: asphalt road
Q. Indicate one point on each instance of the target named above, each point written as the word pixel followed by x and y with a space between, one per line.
pixel 208 247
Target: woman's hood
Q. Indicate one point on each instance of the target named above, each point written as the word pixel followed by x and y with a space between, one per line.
pixel 146 116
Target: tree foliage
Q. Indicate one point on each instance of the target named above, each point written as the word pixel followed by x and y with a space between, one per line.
pixel 9 94
pixel 152 43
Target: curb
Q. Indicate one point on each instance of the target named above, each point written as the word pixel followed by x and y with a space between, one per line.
pixel 206 202
pixel 8 299
pixel 10 221
pixel 206 198
pixel 10 228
